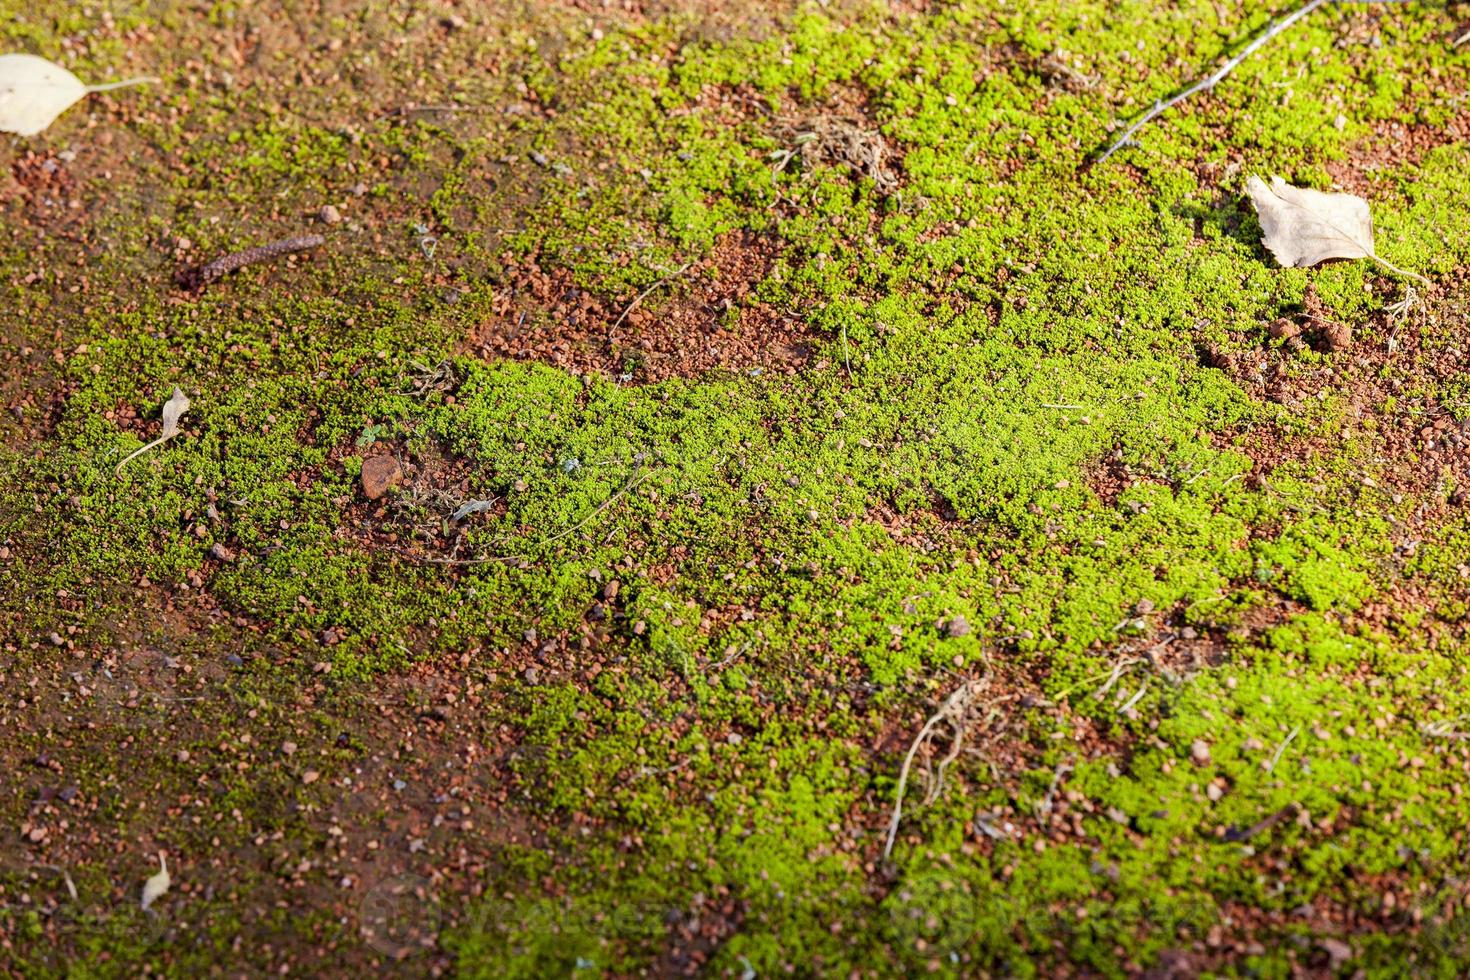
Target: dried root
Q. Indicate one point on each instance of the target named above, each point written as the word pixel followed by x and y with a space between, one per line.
pixel 961 710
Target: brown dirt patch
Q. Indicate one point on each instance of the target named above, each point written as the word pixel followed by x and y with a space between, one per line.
pixel 43 179
pixel 707 319
pixel 1387 376
pixel 1111 475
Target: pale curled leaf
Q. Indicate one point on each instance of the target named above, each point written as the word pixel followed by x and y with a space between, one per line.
pixel 34 91
pixel 472 507
pixel 1302 227
pixel 157 886
pixel 173 410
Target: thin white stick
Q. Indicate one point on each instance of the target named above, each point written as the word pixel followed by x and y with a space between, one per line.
pixel 903 778
pixel 1282 748
pixel 1159 108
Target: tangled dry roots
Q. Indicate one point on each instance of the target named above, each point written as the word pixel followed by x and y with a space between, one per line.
pixel 960 710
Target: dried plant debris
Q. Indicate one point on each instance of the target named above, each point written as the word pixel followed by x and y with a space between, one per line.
pixel 173 410
pixel 1303 227
pixel 34 91
pixel 826 140
pixel 958 712
pixel 157 886
pixel 472 507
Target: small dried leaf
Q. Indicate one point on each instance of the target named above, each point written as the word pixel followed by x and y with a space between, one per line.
pixel 472 507
pixel 1304 227
pixel 155 887
pixel 173 410
pixel 34 91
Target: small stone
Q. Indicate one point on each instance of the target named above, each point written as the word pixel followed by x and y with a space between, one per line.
pixel 610 591
pixel 1144 607
pixel 1199 751
pixel 329 215
pixel 379 474
pixel 310 776
pixel 219 552
pixel 1214 792
pixel 288 748
pixel 1337 951
pixel 183 755
pixel 399 785
pixel 956 627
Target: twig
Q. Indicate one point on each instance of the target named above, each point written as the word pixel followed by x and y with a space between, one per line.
pixel 1044 805
pixel 729 659
pixel 1445 728
pixel 1235 835
pixel 196 278
pixel 644 295
pixel 1159 108
pixel 1282 748
pixel 1137 696
pixel 1115 675
pixel 71 887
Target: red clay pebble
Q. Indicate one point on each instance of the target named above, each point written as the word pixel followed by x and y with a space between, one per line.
pixel 1337 336
pixel 379 473
pixel 1284 327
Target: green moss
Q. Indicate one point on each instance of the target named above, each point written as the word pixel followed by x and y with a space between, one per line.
pixel 1006 419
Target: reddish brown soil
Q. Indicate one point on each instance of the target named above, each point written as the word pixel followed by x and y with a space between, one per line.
pixel 705 318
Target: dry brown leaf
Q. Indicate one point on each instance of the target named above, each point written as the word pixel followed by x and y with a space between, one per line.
pixel 1303 227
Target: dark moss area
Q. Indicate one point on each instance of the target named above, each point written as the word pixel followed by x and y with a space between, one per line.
pixel 644 709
